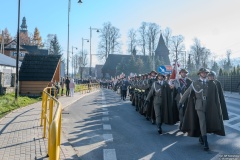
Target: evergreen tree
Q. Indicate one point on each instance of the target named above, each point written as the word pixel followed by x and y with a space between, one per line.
pixel 215 67
pixel 55 47
pixel 132 64
pixel 139 65
pixel 220 72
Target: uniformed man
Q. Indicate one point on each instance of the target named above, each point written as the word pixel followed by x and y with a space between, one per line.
pixel 149 106
pixel 203 111
pixel 212 77
pixel 181 84
pixel 124 86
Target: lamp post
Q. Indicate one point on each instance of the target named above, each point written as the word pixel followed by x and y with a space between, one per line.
pixel 90 70
pixel 69 6
pixel 17 58
pixel 72 59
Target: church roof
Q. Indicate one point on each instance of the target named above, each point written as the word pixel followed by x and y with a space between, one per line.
pixel 162 51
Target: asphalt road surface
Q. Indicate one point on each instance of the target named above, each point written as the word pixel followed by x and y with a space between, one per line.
pixel 101 126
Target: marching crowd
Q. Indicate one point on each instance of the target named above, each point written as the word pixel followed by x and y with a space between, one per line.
pixel 198 105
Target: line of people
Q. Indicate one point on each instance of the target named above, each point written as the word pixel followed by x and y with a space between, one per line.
pixel 198 105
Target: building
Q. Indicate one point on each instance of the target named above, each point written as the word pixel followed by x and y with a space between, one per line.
pixel 109 69
pixel 37 71
pixel 7 73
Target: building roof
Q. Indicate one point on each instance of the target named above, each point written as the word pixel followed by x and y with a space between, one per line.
pixel 114 59
pixel 35 50
pixel 8 61
pixel 162 51
pixel 38 67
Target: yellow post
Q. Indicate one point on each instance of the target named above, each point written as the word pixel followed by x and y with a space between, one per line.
pixel 49 123
pixel 44 116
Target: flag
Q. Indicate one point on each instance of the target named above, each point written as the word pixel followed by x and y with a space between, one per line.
pixel 174 74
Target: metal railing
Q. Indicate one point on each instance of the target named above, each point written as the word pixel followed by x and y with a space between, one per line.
pixel 51 118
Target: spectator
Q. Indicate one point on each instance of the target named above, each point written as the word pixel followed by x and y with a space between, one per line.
pixel 67 81
pixel 72 87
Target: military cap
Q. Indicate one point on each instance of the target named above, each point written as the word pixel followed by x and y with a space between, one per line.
pixel 160 74
pixel 203 70
pixel 183 70
pixel 212 73
pixel 153 72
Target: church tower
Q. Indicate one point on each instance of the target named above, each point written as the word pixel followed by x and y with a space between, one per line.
pixel 23 27
pixel 162 51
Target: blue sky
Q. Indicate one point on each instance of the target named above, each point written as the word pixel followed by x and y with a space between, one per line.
pixel 215 22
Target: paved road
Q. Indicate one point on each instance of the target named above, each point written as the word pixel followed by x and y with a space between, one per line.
pixel 101 126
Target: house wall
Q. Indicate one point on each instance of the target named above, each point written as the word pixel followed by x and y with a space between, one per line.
pixel 56 76
pixel 33 88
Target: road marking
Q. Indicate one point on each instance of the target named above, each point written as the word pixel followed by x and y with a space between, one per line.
pixel 109 154
pixel 168 146
pixel 105 119
pixel 235 126
pixel 104 109
pixel 105 113
pixel 108 137
pixel 107 127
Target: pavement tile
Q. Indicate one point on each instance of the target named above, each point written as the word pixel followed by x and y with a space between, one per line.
pixel 21 133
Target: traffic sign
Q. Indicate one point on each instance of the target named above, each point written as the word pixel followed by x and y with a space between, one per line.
pixel 165 69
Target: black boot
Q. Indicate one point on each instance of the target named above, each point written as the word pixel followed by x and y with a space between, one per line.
pixel 206 148
pixel 159 128
pixel 201 140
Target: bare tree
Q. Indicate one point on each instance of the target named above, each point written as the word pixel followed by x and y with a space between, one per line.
pixel 143 35
pixel 177 46
pixel 82 61
pixel 200 53
pixel 109 40
pixel 132 41
pixel 152 36
pixel 167 35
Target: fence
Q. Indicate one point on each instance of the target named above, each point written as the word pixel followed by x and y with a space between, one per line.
pixel 51 118
pixel 228 82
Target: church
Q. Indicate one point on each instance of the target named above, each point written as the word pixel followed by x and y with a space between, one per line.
pixel 110 68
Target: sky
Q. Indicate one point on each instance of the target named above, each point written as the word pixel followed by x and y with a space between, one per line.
pixel 214 22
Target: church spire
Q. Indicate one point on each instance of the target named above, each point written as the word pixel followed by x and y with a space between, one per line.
pixel 162 51
pixel 23 27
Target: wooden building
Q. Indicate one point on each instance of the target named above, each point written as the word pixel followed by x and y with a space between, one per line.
pixel 37 71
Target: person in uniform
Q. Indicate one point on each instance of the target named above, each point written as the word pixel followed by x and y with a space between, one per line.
pixel 212 77
pixel 124 86
pixel 203 113
pixel 181 84
pixel 149 106
pixel 163 112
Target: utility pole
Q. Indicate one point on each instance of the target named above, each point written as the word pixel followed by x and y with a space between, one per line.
pixel 17 58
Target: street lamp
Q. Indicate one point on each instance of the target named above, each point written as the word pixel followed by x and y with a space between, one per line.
pixel 72 59
pixel 17 58
pixel 97 30
pixel 69 6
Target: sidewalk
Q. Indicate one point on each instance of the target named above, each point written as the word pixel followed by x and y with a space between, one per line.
pixel 21 134
pixel 234 95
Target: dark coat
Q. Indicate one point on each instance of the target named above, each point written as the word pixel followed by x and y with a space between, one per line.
pixel 214 118
pixel 170 111
pixel 222 100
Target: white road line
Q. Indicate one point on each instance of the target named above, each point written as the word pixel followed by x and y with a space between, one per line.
pixel 109 154
pixel 234 126
pixel 108 137
pixel 107 127
pixel 105 119
pixel 105 113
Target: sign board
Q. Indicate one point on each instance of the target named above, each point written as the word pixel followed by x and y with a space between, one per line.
pixel 165 69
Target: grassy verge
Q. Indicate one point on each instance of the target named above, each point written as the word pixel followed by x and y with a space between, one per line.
pixel 7 103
